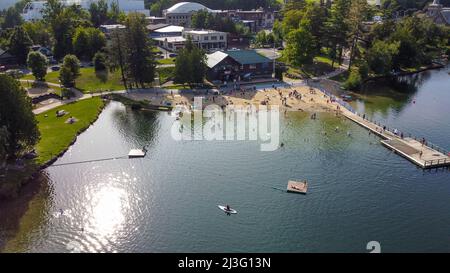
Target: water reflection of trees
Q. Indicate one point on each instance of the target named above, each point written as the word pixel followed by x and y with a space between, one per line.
pixel 397 91
pixel 139 127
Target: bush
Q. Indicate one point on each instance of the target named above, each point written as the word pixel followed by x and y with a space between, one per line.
pixel 99 61
pixel 354 81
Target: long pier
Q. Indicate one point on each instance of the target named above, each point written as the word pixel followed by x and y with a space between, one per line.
pixel 418 152
pixel 415 151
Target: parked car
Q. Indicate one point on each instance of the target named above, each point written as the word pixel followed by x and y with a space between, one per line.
pixel 55 68
pixel 173 55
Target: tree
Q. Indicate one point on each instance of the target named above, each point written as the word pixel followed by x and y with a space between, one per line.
pixel 316 16
pixel 100 62
pixel 114 12
pixel 116 54
pixel 97 41
pixel 358 13
pixel 19 44
pixel 197 60
pixel 182 67
pixel 336 28
pixel 38 65
pixel 380 56
pixel 4 143
pixel 18 123
pixel 80 43
pixel 354 80
pixel 300 45
pixel 140 60
pixel 70 71
pixel 261 38
pixel 87 41
pixel 98 12
pixel 199 19
pixel 190 64
pixel 63 21
pixel 12 18
pixel 38 33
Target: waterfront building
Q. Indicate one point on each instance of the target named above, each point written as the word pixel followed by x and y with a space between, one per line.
pixel 235 64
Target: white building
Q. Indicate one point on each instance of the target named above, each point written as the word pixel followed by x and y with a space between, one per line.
pixel 180 14
pixel 209 40
pixel 33 10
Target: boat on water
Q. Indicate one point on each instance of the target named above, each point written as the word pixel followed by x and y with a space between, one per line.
pixel 229 210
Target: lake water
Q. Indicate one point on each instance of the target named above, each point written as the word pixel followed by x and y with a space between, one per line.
pixel 359 191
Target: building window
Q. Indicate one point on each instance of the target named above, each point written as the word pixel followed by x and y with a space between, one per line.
pixel 252 66
pixel 221 38
pixel 213 38
pixel 206 38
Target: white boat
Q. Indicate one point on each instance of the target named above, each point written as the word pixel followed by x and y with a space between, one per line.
pixel 224 208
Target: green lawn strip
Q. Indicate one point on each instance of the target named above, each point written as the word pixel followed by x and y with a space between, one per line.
pixel 56 134
pixel 165 73
pixel 166 61
pixel 89 80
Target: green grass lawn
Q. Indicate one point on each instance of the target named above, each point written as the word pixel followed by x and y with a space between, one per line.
pixel 166 61
pixel 56 135
pixel 165 73
pixel 89 80
pixel 320 66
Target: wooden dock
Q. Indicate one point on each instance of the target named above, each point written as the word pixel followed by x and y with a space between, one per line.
pixel 297 186
pixel 137 153
pixel 415 151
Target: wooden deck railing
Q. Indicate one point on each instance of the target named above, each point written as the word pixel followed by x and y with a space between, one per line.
pixel 433 162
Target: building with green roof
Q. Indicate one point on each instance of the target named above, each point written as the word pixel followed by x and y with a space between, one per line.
pixel 230 65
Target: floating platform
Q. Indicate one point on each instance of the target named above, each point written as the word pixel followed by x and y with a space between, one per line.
pixel 137 153
pixel 297 186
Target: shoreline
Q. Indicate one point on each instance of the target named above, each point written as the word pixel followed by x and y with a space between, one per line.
pixel 36 168
pixel 293 98
pixel 433 66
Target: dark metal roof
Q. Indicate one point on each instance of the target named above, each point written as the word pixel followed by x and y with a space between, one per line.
pixel 247 56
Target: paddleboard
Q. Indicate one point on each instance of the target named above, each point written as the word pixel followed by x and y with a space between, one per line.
pixel 224 208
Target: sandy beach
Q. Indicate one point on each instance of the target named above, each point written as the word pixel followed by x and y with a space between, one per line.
pixel 302 98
